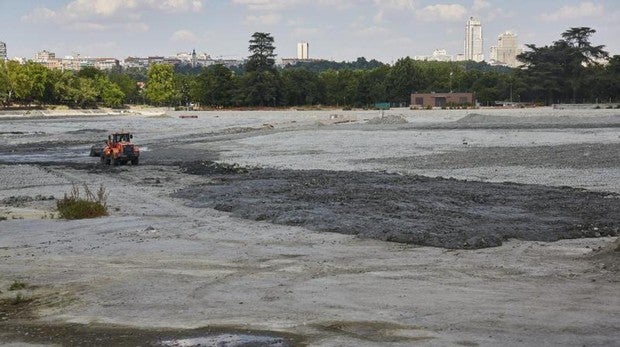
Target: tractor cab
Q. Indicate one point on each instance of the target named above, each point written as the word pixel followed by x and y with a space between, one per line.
pixel 120 137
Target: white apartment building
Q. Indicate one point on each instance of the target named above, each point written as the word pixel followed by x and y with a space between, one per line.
pixel 438 55
pixel 506 51
pixel 44 56
pixel 302 50
pixel 473 40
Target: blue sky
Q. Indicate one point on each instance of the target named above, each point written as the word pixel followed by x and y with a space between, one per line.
pixel 335 29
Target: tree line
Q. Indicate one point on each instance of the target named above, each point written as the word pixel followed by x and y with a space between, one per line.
pixel 568 70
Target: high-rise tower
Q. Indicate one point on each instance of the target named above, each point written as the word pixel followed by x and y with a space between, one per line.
pixel 194 59
pixel 506 51
pixel 473 40
pixel 2 50
pixel 302 50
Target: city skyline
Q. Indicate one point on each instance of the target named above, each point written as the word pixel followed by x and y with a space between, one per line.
pixel 385 30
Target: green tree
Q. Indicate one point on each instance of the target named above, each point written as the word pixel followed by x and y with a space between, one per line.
pixel 561 70
pixel 4 84
pixel 26 83
pixel 583 55
pixel 182 86
pixel 160 86
pixel 403 79
pixel 371 87
pixel 84 92
pixel 262 56
pixel 301 87
pixel 127 85
pixel 110 94
pixel 261 81
pixel 90 72
pixel 215 86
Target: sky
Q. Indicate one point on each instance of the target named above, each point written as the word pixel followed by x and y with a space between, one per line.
pixel 340 30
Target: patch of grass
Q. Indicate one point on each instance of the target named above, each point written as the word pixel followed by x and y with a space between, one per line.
pixel 17 285
pixel 92 205
pixel 20 299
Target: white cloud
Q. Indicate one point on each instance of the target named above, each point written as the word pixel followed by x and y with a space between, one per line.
pixel 374 31
pixel 337 4
pixel 97 15
pixel 442 12
pixel 180 5
pixel 265 5
pixel 305 32
pixel 394 4
pixel 39 14
pixel 584 9
pixel 87 26
pixel 183 35
pixel 390 7
pixel 137 27
pixel 263 19
pixel 481 5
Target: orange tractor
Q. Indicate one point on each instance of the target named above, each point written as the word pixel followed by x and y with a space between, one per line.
pixel 119 150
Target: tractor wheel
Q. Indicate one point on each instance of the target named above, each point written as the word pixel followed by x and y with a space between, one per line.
pixel 135 161
pixel 114 161
pixel 105 160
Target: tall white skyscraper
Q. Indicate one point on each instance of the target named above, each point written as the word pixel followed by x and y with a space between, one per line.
pixel 2 50
pixel 506 51
pixel 302 50
pixel 473 40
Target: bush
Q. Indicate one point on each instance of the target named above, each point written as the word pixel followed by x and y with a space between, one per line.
pixel 17 285
pixel 72 206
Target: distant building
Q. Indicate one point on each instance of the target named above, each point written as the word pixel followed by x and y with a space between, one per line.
pixel 44 56
pixel 105 63
pixel 302 50
pixel 438 55
pixel 293 61
pixel 70 63
pixel 2 50
pixel 473 40
pixel 506 51
pixel 441 99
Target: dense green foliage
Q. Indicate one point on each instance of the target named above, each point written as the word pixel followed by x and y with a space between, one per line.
pixel 568 70
pixel 160 89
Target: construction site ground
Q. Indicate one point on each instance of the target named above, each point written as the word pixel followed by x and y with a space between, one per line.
pixel 331 228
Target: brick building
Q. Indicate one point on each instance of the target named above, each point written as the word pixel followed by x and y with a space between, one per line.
pixel 441 99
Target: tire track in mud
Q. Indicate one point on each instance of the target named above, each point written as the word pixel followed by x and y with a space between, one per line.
pixel 438 212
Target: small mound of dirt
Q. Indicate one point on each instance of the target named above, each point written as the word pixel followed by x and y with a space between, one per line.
pixel 388 119
pixel 213 168
pixel 22 200
pixel 85 131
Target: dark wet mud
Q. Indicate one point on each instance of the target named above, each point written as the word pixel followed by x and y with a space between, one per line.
pixel 419 210
pixel 106 335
